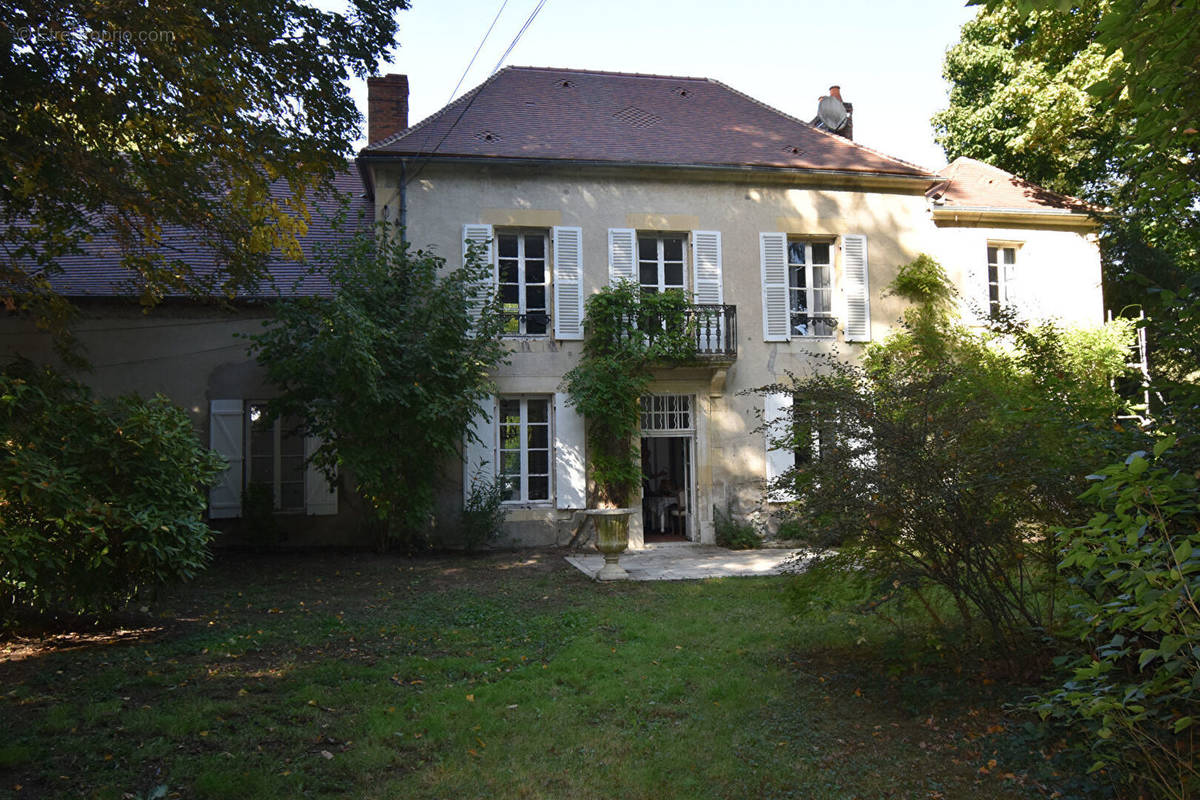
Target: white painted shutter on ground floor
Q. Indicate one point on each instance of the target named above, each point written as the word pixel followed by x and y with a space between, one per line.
pixel 570 468
pixel 225 436
pixel 777 416
pixel 479 454
pixel 320 497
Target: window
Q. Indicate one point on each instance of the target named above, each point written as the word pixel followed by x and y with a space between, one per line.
pixel 660 263
pixel 666 412
pixel 812 431
pixel 810 291
pixel 275 457
pixel 524 282
pixel 1002 263
pixel 524 448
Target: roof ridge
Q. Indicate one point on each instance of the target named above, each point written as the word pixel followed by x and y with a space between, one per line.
pixel 578 71
pixel 843 139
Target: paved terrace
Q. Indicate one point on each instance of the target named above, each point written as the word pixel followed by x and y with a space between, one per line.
pixel 685 561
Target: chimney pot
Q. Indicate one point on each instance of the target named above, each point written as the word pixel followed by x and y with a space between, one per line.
pixel 836 91
pixel 387 106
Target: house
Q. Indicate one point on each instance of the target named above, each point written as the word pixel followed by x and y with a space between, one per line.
pixel 783 233
pixel 786 231
pixel 191 350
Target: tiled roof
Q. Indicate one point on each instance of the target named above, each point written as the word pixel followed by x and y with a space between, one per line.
pixel 97 272
pixel 971 184
pixel 607 117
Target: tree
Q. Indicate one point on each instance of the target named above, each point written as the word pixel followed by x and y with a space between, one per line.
pixel 98 498
pixel 388 372
pixel 130 118
pixel 943 459
pixel 1099 98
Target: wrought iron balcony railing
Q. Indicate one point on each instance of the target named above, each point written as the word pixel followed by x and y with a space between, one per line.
pixel 715 330
pixel 532 324
pixel 804 324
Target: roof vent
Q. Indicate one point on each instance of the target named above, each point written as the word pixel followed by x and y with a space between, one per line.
pixel 679 91
pixel 565 84
pixel 487 136
pixel 792 150
pixel 637 118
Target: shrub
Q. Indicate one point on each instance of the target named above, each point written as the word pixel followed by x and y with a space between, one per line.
pixel 734 534
pixel 389 372
pixel 483 512
pixel 1131 701
pixel 98 499
pixel 947 456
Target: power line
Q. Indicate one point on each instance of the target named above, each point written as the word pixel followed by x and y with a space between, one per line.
pixel 466 106
pixel 477 49
pixel 520 33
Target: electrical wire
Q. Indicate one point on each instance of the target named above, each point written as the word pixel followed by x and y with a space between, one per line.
pixel 495 19
pixel 466 106
pixel 520 33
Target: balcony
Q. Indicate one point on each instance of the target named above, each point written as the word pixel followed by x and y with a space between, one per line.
pixel 714 328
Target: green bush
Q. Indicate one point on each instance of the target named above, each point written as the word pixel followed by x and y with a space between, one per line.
pixel 483 512
pixel 1131 701
pixel 949 455
pixel 98 499
pixel 734 534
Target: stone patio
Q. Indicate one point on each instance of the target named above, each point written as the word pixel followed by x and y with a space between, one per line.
pixel 684 561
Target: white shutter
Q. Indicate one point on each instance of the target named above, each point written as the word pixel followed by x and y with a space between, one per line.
pixel 1013 287
pixel 622 255
pixel 976 291
pixel 569 466
pixel 772 248
pixel 777 417
pixel 479 457
pixel 320 497
pixel 707 286
pixel 855 287
pixel 568 283
pixel 225 421
pixel 480 235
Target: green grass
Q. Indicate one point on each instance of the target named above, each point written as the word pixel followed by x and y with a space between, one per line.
pixel 506 675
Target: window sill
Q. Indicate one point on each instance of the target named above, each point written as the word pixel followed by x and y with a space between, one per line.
pixel 517 505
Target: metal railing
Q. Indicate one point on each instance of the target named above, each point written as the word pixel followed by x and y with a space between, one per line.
pixel 804 324
pixel 533 324
pixel 714 330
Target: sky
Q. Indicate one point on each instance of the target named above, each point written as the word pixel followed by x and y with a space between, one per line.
pixel 886 55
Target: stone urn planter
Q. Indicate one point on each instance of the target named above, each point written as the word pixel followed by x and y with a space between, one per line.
pixel 612 539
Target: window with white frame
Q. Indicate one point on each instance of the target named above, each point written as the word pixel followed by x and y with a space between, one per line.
pixel 1002 264
pixel 660 263
pixel 666 412
pixel 274 456
pixel 524 281
pixel 523 429
pixel 810 288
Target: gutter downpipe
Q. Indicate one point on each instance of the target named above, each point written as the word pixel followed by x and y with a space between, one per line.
pixel 403 203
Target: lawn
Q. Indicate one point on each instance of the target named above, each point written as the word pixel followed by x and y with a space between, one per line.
pixel 501 675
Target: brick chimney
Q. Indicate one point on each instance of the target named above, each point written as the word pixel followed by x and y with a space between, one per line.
pixel 387 106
